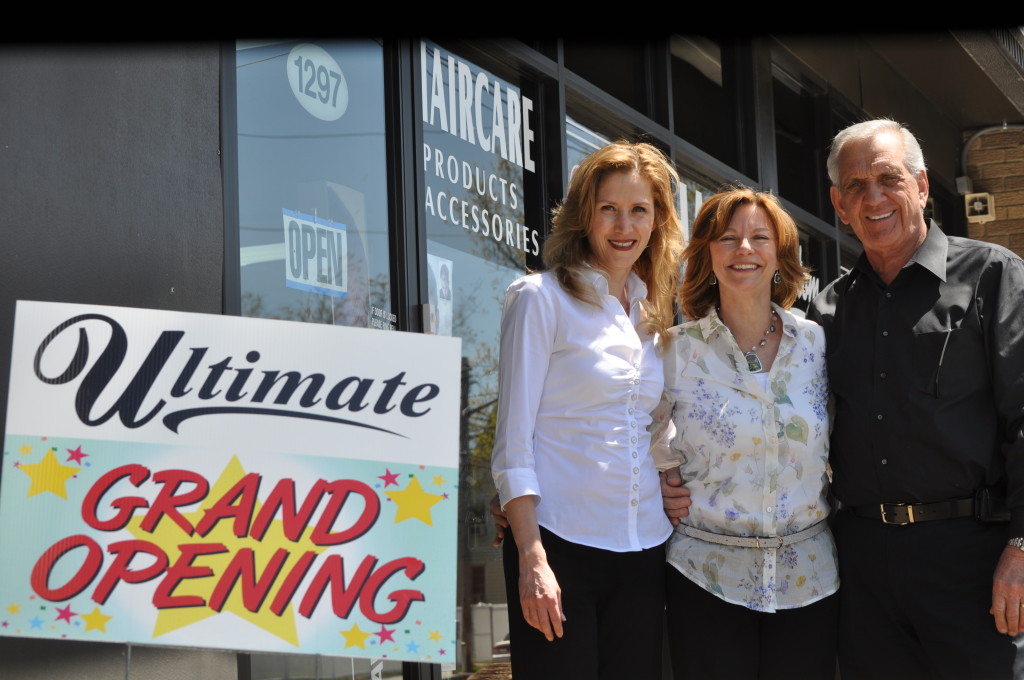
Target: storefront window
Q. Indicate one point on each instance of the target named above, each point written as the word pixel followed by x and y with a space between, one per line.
pixel 312 204
pixel 690 199
pixel 580 142
pixel 479 134
pixel 800 145
pixel 312 182
pixel 711 100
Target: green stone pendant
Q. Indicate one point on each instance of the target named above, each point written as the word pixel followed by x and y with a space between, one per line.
pixel 753 362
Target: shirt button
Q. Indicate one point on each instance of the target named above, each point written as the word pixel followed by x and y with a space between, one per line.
pixel 882 375
pixel 769 509
pixel 879 416
pixel 631 410
pixel 633 439
pixel 634 502
pixel 885 334
pixel 635 487
pixel 636 471
pixel 885 462
pixel 632 423
pixel 888 294
pixel 633 397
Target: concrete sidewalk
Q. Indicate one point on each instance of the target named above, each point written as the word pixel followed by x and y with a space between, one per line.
pixel 500 670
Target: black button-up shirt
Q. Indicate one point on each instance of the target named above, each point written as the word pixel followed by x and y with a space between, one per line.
pixel 927 376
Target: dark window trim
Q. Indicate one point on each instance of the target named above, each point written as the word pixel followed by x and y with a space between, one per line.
pixel 231 285
pixel 401 102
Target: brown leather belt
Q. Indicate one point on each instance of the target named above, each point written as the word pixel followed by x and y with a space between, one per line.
pixel 904 513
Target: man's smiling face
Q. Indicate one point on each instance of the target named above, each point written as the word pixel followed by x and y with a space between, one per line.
pixel 880 198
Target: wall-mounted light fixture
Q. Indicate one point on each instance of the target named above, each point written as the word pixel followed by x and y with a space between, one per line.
pixel 980 207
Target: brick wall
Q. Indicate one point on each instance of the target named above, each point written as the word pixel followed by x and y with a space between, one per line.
pixel 995 164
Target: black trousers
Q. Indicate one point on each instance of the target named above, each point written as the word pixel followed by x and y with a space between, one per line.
pixel 711 639
pixel 914 600
pixel 614 605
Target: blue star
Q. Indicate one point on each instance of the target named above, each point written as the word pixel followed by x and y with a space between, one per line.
pixel 412 647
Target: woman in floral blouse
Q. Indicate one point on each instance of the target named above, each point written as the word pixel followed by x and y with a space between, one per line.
pixel 752 569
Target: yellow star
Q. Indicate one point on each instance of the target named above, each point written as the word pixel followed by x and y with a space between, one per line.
pixel 169 536
pixel 25 449
pixel 97 620
pixel 414 502
pixel 438 480
pixel 435 635
pixel 49 475
pixel 14 608
pixel 355 637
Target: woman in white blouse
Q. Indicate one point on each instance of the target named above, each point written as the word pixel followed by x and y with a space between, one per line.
pixel 579 375
pixel 752 568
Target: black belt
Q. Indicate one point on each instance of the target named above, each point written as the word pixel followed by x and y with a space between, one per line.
pixel 904 513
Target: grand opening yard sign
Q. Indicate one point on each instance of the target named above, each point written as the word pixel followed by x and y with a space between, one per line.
pixel 235 483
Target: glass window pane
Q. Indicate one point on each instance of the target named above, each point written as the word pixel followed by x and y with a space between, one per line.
pixel 580 142
pixel 479 131
pixel 312 204
pixel 800 148
pixel 312 182
pixel 707 104
pixel 620 68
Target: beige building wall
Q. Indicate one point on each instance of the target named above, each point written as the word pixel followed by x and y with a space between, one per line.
pixel 995 164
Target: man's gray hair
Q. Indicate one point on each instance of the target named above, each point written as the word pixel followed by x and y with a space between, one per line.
pixel 913 157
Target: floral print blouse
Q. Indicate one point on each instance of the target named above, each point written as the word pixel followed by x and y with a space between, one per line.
pixel 754 458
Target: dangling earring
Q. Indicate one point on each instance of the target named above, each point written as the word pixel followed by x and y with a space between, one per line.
pixel 777 278
pixel 713 281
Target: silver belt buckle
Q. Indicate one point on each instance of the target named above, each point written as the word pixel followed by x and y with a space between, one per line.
pixel 910 513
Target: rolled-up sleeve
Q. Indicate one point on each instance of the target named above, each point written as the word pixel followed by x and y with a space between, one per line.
pixel 527 331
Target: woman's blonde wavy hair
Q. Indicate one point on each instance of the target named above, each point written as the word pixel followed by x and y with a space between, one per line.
pixel 567 250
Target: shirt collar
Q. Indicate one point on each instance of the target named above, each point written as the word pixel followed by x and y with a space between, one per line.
pixel 711 323
pixel 635 286
pixel 931 254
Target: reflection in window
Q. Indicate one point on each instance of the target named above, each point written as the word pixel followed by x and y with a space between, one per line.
pixel 313 219
pixel 707 106
pixel 800 147
pixel 580 142
pixel 312 182
pixel 620 68
pixel 477 158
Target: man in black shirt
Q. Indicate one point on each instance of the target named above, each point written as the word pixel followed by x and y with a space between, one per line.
pixel 925 344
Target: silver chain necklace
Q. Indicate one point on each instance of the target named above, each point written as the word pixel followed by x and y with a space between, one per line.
pixel 754 364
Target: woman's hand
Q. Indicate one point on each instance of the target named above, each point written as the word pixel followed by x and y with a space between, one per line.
pixel 539 592
pixel 540 595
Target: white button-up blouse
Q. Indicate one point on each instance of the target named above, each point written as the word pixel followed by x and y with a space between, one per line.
pixel 755 460
pixel 576 386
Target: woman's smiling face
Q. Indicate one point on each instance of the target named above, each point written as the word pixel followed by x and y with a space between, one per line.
pixel 623 220
pixel 743 257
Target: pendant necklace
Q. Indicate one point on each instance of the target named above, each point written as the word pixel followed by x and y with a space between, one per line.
pixel 754 364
